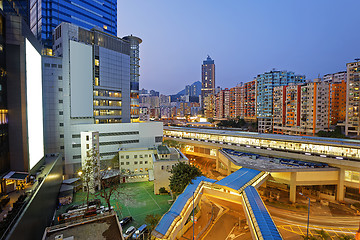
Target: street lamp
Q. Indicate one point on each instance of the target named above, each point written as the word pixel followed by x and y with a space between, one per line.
pixel 307 230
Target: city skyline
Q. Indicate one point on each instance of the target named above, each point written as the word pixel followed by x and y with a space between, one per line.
pixel 305 38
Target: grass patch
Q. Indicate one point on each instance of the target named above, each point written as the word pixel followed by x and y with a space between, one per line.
pixel 136 200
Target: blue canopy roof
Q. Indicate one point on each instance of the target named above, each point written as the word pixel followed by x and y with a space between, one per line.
pixel 262 216
pixel 179 204
pixel 239 178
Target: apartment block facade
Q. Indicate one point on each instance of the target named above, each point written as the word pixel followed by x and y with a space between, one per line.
pixel 315 107
pixel 222 104
pixel 265 84
pixel 287 106
pixel 352 127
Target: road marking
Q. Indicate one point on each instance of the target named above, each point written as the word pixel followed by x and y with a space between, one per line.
pixel 152 198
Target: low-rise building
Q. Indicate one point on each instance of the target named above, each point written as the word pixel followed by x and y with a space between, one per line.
pixel 165 159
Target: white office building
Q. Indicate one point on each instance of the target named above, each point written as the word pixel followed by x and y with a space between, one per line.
pixel 87 88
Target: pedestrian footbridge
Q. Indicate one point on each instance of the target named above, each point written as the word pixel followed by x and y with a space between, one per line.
pixel 239 187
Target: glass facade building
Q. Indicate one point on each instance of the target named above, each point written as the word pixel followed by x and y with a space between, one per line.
pixel 45 15
pixel 134 76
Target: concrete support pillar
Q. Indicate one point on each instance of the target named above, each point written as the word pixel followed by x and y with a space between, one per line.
pixel 293 187
pixel 340 186
pixel 217 160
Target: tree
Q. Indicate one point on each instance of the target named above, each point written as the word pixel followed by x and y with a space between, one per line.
pixel 182 174
pixel 109 180
pixel 89 173
pixel 152 220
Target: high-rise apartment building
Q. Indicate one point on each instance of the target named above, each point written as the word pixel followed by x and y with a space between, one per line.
pixel 315 107
pixel 265 84
pixel 287 110
pixel 301 109
pixel 134 76
pixel 207 79
pixel 352 127
pixel 337 96
pixel 250 101
pixel 236 101
pixel 243 101
pixel 222 104
pixel 209 106
pixel 45 15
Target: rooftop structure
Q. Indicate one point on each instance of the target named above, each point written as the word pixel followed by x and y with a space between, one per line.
pixel 272 164
pixel 104 226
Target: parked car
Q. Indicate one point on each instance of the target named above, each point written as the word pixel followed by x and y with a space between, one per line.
pixel 125 220
pixel 143 229
pixel 129 232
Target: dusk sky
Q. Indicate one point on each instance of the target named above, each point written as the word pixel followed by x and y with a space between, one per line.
pixel 244 38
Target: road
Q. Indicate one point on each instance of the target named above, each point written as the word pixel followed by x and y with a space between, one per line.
pixel 291 225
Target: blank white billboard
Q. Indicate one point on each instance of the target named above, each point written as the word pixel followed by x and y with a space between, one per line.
pixel 81 79
pixel 34 105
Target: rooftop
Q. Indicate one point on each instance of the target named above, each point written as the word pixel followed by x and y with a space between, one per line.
pixel 271 164
pixel 99 227
pixel 290 138
pixel 163 149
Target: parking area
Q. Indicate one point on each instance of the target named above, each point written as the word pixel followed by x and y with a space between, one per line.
pixel 134 199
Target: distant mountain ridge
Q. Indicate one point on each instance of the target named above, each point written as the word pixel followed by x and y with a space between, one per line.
pixel 196 85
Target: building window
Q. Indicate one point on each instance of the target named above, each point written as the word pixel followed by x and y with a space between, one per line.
pixel 61 124
pixel 87 146
pixel 87 138
pixel 59 66
pixel 61 113
pixel 61 135
pixel 47 64
pixel 135 156
pixel 146 162
pixel 127 156
pixel 122 163
pixel 122 156
pixel 141 156
pixel 61 101
pixel 60 77
pixel 127 163
pixel 141 162
pixel 60 89
pixel 53 65
pixel 61 147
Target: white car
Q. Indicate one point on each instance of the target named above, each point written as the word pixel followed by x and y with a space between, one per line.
pixel 129 232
